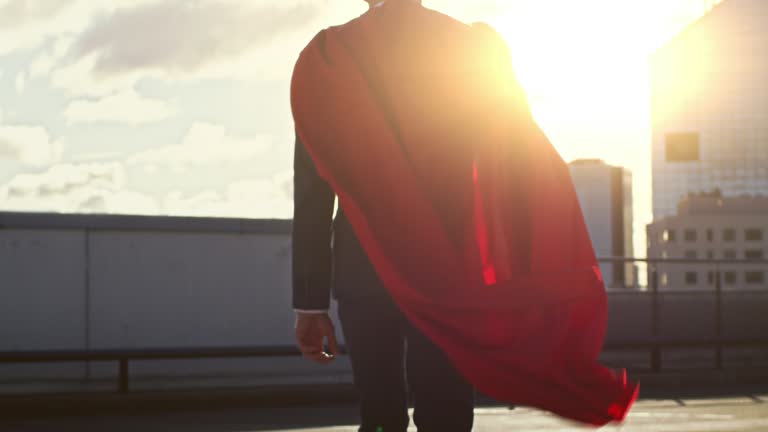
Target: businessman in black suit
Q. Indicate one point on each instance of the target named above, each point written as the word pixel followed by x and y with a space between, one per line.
pixel 390 358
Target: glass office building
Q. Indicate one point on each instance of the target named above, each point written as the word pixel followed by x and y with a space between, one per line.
pixel 709 107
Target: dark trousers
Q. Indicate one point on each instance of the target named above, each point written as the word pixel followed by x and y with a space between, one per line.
pixel 390 358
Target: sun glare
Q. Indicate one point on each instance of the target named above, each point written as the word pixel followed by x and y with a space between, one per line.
pixel 584 67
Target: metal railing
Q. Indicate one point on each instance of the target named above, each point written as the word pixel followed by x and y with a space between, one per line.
pixel 718 343
pixel 654 345
pixel 123 357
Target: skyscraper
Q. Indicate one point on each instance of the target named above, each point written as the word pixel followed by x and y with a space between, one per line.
pixel 709 107
pixel 605 196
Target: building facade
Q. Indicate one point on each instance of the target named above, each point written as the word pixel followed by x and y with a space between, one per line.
pixel 605 196
pixel 709 107
pixel 710 226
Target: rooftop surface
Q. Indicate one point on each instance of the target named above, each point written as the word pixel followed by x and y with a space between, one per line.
pixel 739 411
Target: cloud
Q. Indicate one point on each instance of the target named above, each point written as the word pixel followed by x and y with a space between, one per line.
pixel 199 32
pixel 204 143
pixel 250 198
pixel 76 188
pixel 77 78
pixel 102 188
pixel 183 39
pixel 27 24
pixel 64 179
pixel 49 57
pixel 29 145
pixel 21 82
pixel 17 13
pixel 124 107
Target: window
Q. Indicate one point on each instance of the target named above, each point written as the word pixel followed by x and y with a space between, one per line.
pixel 664 279
pixel 729 254
pixel 710 254
pixel 754 277
pixel 729 277
pixel 710 235
pixel 682 146
pixel 691 254
pixel 690 235
pixel 668 235
pixel 710 277
pixel 753 234
pixel 755 254
pixel 729 234
pixel 691 278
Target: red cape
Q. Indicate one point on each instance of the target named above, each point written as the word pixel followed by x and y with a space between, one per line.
pixel 463 206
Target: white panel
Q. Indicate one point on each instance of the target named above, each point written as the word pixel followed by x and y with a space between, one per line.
pixel 190 290
pixel 42 290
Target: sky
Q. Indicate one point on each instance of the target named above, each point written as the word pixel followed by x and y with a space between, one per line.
pixel 180 107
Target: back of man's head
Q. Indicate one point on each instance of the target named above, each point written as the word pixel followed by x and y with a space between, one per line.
pixel 373 2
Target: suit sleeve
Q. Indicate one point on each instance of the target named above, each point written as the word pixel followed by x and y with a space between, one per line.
pixel 313 201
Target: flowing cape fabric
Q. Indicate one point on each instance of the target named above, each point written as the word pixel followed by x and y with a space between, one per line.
pixel 463 206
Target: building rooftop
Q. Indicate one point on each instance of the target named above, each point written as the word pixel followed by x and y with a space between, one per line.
pixel 715 203
pixel 743 411
pixel 114 222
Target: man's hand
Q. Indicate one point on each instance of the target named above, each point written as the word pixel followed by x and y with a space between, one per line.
pixel 312 329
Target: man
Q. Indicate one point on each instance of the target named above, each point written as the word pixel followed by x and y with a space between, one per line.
pixel 390 358
pixel 459 253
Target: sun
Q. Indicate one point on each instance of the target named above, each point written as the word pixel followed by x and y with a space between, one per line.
pixel 586 55
pixel 584 67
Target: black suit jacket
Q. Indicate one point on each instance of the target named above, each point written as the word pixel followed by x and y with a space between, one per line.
pixel 327 256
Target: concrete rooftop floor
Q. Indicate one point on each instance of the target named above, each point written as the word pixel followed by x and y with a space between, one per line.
pixel 736 412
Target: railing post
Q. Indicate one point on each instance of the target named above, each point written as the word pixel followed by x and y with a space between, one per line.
pixel 123 375
pixel 718 319
pixel 656 350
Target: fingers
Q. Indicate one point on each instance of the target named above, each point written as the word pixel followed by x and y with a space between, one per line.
pixel 310 335
pixel 333 345
pixel 313 350
pixel 317 356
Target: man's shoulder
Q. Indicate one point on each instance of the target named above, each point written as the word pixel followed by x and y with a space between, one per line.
pixel 438 24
